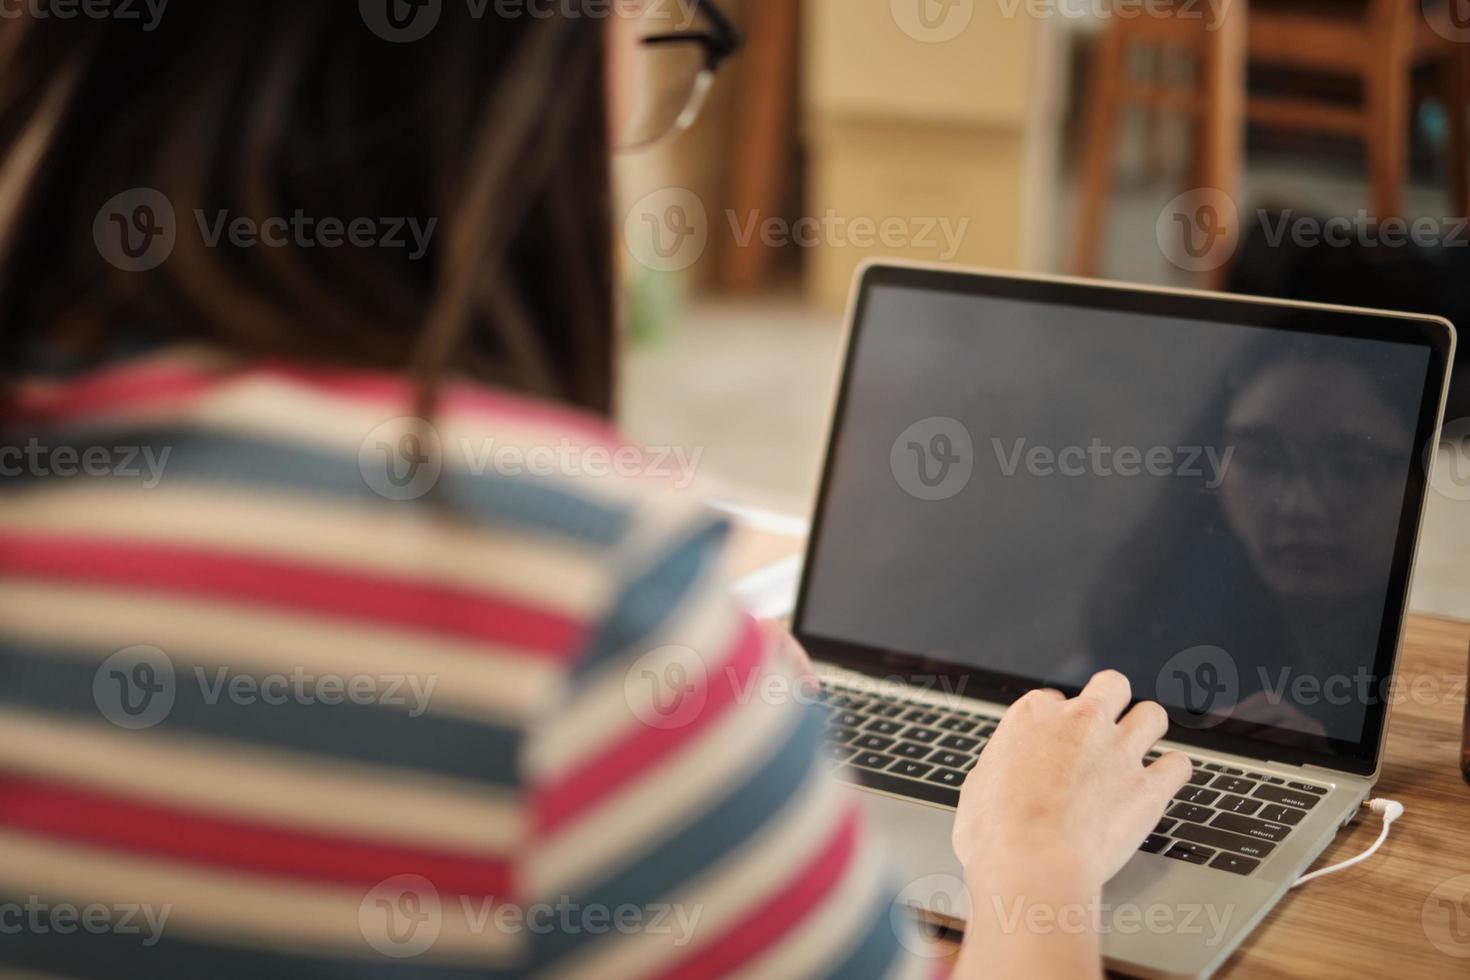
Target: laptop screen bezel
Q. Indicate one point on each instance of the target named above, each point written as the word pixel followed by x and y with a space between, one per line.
pixel 1231 736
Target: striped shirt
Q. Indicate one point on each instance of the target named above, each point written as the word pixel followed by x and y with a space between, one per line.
pixel 292 685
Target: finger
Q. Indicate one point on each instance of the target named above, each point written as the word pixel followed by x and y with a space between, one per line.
pixel 1164 776
pixel 1037 702
pixel 1144 724
pixel 1041 695
pixel 1111 689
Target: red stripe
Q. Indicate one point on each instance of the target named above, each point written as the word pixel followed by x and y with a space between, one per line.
pixel 157 385
pixel 148 386
pixel 280 584
pixel 747 938
pixel 89 818
pixel 622 762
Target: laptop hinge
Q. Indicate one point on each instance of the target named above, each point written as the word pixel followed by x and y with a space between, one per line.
pixel 1337 774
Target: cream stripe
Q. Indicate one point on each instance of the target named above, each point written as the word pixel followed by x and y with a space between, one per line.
pixel 227 907
pixel 286 411
pixel 270 407
pixel 736 885
pixel 826 937
pixel 610 704
pixel 410 543
pixel 231 780
pixel 704 769
pixel 459 679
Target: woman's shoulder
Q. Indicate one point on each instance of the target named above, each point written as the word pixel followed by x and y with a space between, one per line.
pixel 333 465
pixel 512 528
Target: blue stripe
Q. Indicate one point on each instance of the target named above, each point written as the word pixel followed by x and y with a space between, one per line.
pixel 110 956
pixel 61 681
pixel 200 456
pixel 714 836
pixel 878 952
pixel 646 602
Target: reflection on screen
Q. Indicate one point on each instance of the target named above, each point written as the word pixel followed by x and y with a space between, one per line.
pixel 1044 491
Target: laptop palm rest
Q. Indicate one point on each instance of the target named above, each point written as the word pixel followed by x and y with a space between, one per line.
pixel 1151 912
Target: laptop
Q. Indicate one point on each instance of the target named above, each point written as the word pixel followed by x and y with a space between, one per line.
pixel 1030 479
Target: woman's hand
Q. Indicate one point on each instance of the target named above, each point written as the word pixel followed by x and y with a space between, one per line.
pixel 1067 777
pixel 1059 801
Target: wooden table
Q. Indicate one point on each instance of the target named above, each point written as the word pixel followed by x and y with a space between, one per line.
pixel 1368 920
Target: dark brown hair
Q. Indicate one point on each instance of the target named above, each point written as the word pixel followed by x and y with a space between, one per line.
pixel 495 127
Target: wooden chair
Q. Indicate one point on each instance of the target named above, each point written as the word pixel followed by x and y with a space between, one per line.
pixel 1378 43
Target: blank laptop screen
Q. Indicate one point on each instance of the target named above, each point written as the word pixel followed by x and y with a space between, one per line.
pixel 1041 491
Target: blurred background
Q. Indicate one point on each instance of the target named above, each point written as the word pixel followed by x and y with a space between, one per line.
pixel 1312 149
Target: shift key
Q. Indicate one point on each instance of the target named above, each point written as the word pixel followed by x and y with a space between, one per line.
pixel 1290 797
pixel 1249 846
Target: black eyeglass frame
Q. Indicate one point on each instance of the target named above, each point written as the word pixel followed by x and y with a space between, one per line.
pixel 720 42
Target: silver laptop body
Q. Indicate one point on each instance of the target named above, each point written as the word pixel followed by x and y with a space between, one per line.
pixel 1159 917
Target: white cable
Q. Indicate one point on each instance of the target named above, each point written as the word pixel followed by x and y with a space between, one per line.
pixel 1390 810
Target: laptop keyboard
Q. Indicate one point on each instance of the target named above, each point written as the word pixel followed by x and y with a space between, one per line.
pixel 1225 818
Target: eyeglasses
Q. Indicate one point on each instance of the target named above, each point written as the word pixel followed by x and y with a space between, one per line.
pixel 676 72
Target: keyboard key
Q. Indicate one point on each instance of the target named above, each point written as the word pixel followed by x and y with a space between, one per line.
pixel 875 742
pixel 1193 853
pixel 951 760
pixel 848 719
pixel 1199 778
pixel 987 729
pixel 1238 804
pixel 948 777
pixel 1196 794
pixel 956 723
pixel 1251 827
pixel 1232 785
pixel 889 783
pixel 909 768
pixel 888 710
pixel 873 760
pixel 1282 814
pixel 1236 863
pixel 921 717
pixel 1188 811
pixel 1224 840
pixel 1254 775
pixel 1286 797
pixel 916 734
pixel 1308 788
pixel 840 752
pixel 1277 780
pixel 841 736
pixel 1153 844
pixel 959 743
pixel 1214 767
pixel 1232 771
pixel 1164 825
pixel 884 727
pixel 910 750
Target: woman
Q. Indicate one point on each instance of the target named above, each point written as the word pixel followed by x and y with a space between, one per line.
pixel 1285 555
pixel 321 692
